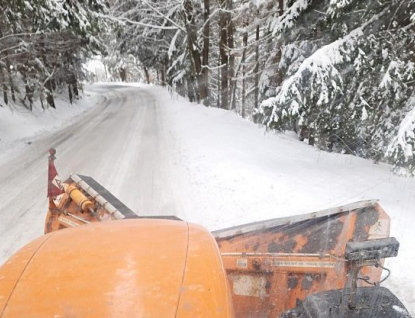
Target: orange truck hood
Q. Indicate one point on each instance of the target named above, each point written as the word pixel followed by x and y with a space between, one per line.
pixel 128 268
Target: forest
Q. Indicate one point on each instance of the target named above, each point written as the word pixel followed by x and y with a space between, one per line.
pixel 339 73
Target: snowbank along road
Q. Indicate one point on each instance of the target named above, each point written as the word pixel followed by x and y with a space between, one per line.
pixel 162 155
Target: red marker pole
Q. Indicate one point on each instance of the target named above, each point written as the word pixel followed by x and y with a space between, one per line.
pixel 54 183
pixel 54 189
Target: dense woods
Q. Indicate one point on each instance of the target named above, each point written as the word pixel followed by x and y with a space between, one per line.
pixel 340 73
pixel 43 45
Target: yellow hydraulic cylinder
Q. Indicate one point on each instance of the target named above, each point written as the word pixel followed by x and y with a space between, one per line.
pixel 79 198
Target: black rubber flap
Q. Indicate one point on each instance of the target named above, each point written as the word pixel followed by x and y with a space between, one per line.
pixel 109 197
pixel 126 211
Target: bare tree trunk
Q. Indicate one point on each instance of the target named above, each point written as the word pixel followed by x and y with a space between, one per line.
pixel 49 93
pixel 231 45
pixel 164 70
pixel 4 87
pixel 218 85
pixel 181 88
pixel 280 7
pixel 147 75
pixel 194 53
pixel 191 92
pixel 3 78
pixel 307 133
pixel 256 70
pixel 9 73
pixel 106 72
pixel 162 79
pixel 223 20
pixel 70 94
pixel 123 74
pixel 245 44
pixel 28 89
pixel 75 86
pixel 279 76
pixel 48 82
pixel 204 94
pixel 5 98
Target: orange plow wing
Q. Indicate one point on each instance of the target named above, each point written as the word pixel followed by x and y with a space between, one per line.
pixel 272 265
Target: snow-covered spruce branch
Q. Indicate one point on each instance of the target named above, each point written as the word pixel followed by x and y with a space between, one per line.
pixel 212 68
pixel 127 20
pixel 211 16
pixel 49 75
pixel 164 16
pixel 336 5
pixel 172 46
pixel 322 64
pixel 252 43
pixel 20 35
pixel 394 15
pixel 401 148
pixel 287 19
pixel 9 49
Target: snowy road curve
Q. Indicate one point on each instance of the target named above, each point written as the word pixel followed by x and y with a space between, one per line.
pixel 118 143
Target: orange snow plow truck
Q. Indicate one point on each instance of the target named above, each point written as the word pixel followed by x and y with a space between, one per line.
pixel 100 259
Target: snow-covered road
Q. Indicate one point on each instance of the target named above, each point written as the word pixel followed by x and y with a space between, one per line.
pixel 164 155
pixel 118 143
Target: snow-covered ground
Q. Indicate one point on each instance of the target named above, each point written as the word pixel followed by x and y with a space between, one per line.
pixel 163 155
pixel 19 126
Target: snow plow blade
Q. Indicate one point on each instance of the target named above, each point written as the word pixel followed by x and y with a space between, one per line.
pixel 85 201
pixel 273 265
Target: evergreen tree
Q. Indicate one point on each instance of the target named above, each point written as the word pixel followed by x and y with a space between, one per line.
pixel 349 90
pixel 43 44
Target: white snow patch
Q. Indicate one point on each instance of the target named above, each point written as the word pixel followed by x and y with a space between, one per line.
pixel 172 47
pixel 405 132
pixel 97 67
pixel 287 19
pixel 19 126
